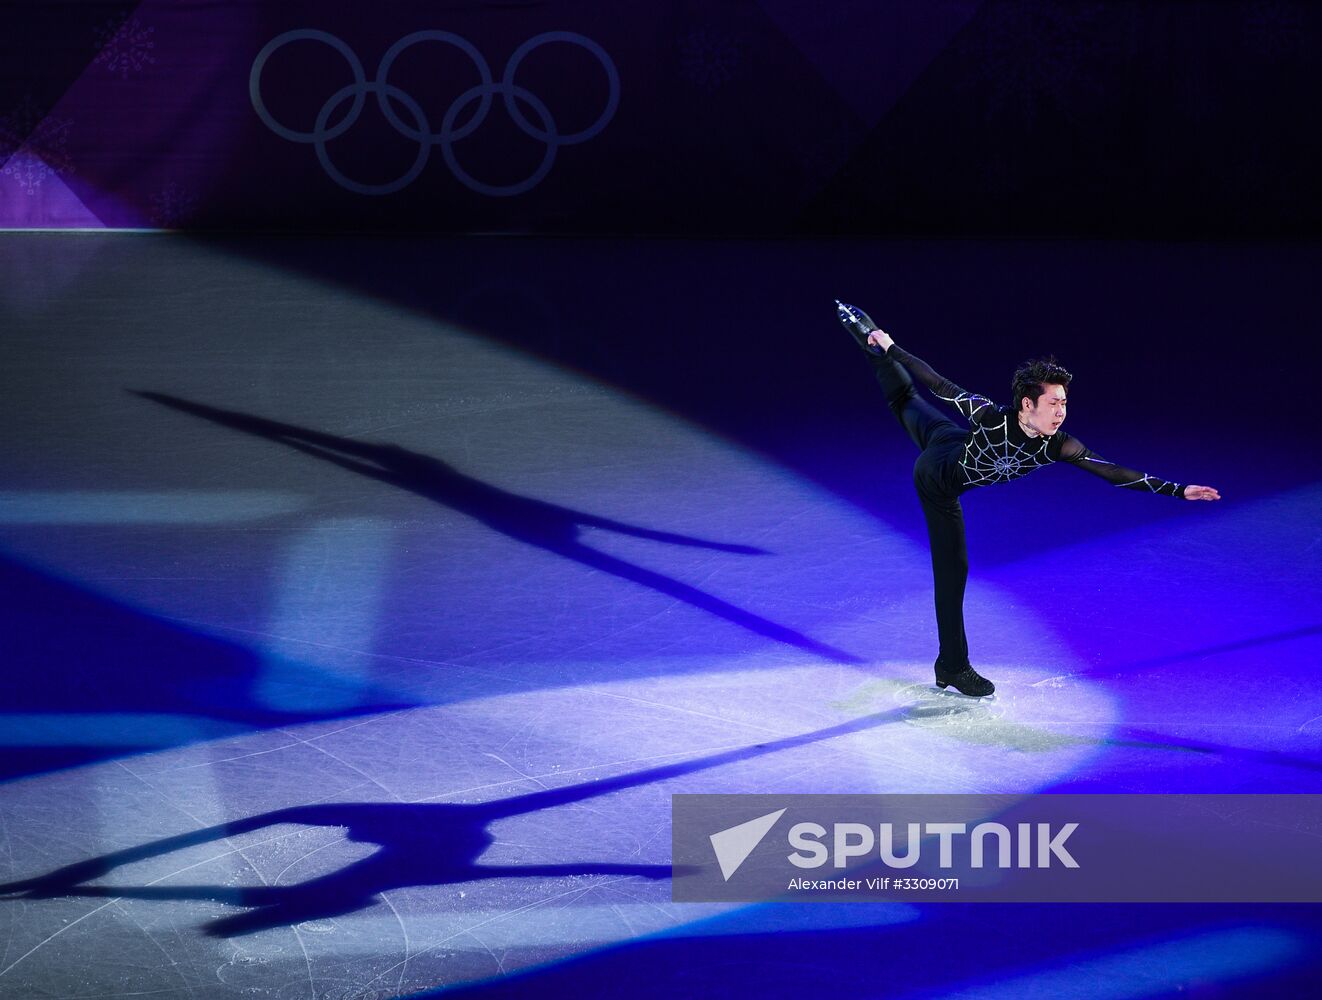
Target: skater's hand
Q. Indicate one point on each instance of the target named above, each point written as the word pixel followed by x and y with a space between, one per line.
pixel 1201 493
pixel 881 338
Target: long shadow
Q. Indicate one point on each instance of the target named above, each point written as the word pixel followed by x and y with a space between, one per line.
pixel 1143 738
pixel 972 726
pixel 545 525
pixel 419 844
pixel 1227 647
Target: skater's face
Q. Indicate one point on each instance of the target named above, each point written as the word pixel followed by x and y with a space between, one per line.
pixel 1046 414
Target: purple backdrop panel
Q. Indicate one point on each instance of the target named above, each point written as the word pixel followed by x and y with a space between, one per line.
pixel 745 116
pixel 470 117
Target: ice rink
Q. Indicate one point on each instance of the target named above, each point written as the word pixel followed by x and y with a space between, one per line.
pixel 367 600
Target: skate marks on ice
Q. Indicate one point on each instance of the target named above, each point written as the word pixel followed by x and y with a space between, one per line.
pixel 1019 718
pixel 1063 720
pixel 531 826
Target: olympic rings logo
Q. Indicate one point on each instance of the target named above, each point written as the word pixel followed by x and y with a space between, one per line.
pixel 420 131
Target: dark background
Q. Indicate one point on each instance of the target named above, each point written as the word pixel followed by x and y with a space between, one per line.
pixel 1169 118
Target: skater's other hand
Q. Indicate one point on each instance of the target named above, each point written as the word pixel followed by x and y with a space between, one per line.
pixel 881 338
pixel 1201 493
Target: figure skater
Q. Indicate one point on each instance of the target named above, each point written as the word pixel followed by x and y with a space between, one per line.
pixel 1003 443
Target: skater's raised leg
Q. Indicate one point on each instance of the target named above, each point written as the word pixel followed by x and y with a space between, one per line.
pixel 920 419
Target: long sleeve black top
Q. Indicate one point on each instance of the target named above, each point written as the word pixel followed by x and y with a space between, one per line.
pixel 996 449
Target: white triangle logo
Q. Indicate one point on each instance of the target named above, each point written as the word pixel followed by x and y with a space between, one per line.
pixel 733 846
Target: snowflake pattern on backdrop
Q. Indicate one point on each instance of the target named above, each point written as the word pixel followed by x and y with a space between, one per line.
pixel 34 145
pixel 124 45
pixel 707 59
pixel 172 206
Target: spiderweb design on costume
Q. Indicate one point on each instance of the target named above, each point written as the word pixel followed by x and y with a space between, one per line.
pixel 1113 472
pixel 970 404
pixel 991 457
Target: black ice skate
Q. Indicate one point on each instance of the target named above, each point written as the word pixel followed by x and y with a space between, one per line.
pixel 859 324
pixel 966 680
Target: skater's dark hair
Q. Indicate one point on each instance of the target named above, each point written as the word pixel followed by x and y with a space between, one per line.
pixel 1032 377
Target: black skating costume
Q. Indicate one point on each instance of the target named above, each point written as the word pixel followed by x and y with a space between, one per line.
pixel 954 460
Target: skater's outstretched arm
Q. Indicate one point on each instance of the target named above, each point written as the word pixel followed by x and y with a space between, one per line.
pixel 970 404
pixel 1073 450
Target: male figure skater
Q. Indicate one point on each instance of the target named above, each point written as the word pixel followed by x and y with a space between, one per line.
pixel 1003 443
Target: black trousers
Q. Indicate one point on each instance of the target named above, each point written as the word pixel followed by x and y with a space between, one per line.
pixel 940 442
